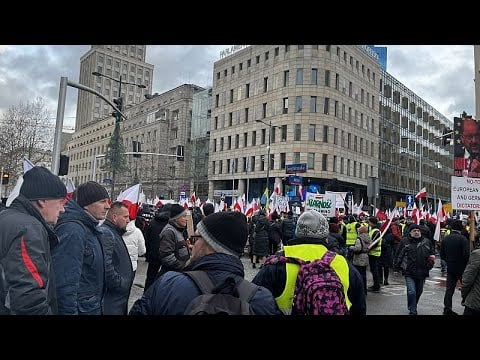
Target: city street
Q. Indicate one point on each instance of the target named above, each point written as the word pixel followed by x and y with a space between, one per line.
pixel 391 300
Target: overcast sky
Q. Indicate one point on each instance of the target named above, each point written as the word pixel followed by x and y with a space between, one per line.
pixel 440 74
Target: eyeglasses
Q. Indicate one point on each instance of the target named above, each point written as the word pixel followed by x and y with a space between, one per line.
pixel 194 238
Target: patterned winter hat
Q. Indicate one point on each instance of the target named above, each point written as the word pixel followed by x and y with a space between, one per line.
pixel 312 224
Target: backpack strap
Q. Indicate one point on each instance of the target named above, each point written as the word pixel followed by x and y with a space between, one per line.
pixel 202 280
pixel 243 288
pixel 328 257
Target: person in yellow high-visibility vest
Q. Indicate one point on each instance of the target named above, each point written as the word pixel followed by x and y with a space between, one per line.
pixel 375 252
pixel 311 242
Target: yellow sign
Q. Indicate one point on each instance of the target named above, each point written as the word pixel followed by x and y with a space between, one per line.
pixel 447 207
pixel 400 204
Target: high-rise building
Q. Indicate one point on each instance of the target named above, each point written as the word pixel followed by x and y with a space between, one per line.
pixel 125 62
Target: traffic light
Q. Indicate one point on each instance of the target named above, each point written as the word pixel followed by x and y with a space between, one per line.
pixel 118 102
pixel 180 153
pixel 5 178
pixel 137 147
pixel 63 168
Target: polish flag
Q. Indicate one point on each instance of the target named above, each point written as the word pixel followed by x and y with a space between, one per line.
pixel 130 198
pixel 27 165
pixel 421 194
pixel 70 189
pixel 193 198
pixel 441 217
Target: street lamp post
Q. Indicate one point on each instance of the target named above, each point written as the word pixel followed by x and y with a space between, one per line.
pixel 116 149
pixel 268 154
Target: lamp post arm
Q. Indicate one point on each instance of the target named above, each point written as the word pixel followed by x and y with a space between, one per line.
pixel 90 90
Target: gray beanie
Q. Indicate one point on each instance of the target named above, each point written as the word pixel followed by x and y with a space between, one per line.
pixel 312 224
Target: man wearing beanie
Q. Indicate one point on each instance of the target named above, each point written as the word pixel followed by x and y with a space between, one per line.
pixel 27 282
pixel 217 246
pixel 311 242
pixel 173 248
pixel 78 259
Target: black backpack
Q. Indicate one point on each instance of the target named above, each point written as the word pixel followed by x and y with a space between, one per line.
pixel 210 302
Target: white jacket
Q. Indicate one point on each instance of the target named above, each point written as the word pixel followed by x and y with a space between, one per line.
pixel 135 243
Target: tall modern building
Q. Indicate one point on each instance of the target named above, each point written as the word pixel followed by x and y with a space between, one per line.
pixel 412 152
pixel 313 104
pixel 116 61
pixel 330 107
pixel 381 51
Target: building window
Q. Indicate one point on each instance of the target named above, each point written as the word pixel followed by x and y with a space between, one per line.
pixel 254 138
pixel 284 133
pixel 313 104
pixel 298 104
pixel 282 160
pixel 327 78
pixel 299 77
pixel 296 157
pixel 325 133
pixel 324 162
pixel 313 77
pixel 298 132
pixel 265 84
pixel 257 59
pixel 247 91
pixel 336 108
pixel 249 63
pixel 334 165
pixel 335 136
pixel 285 106
pixel 311 132
pixel 264 110
pixel 231 96
pixel 246 115
pixel 337 81
pixel 277 50
pixel 266 55
pixel 311 161
pixel 286 74
pixel 326 105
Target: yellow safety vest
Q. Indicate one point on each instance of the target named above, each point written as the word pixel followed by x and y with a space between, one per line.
pixel 351 233
pixel 377 251
pixel 309 252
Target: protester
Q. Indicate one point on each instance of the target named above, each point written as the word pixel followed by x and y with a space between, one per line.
pixel 135 243
pixel 310 243
pixel 152 244
pixel 471 284
pixel 118 267
pixel 173 247
pixel 78 259
pixel 455 250
pixel 208 209
pixel 27 285
pixel 360 253
pixel 219 242
pixel 414 258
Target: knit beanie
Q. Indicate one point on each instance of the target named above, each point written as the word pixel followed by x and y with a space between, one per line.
pixel 312 224
pixel 89 192
pixel 225 232
pixel 39 183
pixel 177 211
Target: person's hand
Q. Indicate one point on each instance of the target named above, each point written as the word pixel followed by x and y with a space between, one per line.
pixel 475 168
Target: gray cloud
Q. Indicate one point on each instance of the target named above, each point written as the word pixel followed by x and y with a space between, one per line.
pixel 441 75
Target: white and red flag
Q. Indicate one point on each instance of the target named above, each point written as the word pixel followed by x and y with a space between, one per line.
pixel 70 189
pixel 130 198
pixel 421 194
pixel 441 217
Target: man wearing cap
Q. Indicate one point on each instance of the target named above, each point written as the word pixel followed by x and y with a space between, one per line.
pixel 218 243
pixel 414 257
pixel 78 259
pixel 310 243
pixel 27 282
pixel 173 247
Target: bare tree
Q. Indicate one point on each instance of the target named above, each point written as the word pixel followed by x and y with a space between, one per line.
pixel 25 130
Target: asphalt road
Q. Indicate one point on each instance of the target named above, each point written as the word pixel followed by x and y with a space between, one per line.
pixel 391 300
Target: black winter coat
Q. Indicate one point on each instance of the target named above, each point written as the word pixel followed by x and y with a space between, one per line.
pixel 412 257
pixel 152 240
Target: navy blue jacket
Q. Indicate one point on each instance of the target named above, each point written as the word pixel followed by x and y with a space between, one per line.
pixel 171 293
pixel 78 263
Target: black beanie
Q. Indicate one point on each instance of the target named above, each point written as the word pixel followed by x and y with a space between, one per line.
pixel 39 183
pixel 89 192
pixel 177 211
pixel 225 232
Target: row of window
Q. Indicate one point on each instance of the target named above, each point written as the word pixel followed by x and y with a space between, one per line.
pixel 346 139
pixel 363 97
pixel 249 164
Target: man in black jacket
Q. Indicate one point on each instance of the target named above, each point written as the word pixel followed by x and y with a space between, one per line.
pixel 152 243
pixel 455 250
pixel 27 285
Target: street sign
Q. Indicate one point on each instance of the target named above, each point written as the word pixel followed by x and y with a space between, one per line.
pixel 295 180
pixel 296 168
pixel 410 200
pixel 223 193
